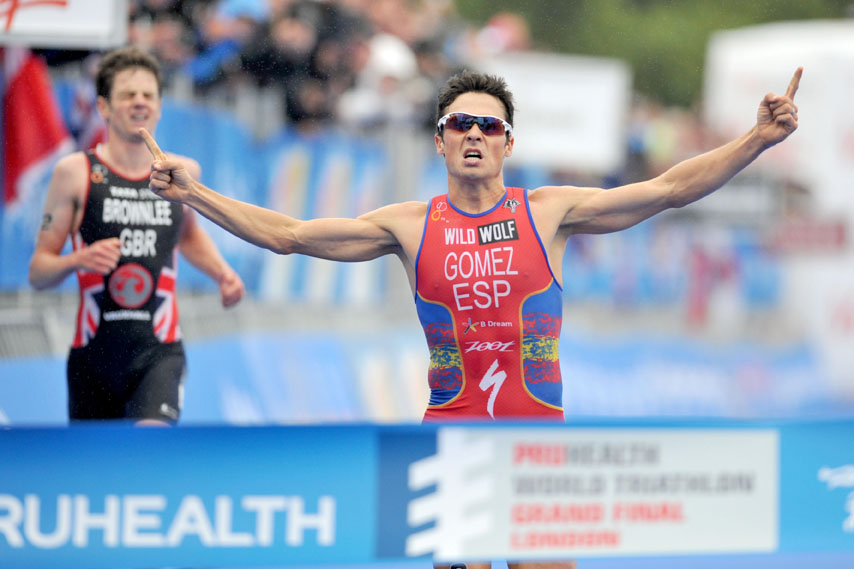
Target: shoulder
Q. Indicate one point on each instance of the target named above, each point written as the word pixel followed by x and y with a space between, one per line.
pixel 402 211
pixel 70 173
pixel 75 162
pixel 554 206
pixel 404 220
pixel 417 209
pixel 550 193
pixel 560 197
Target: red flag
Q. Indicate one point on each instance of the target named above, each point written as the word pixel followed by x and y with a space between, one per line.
pixel 34 136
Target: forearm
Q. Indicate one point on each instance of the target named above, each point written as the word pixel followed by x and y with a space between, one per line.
pixel 199 249
pixel 697 177
pixel 48 270
pixel 257 225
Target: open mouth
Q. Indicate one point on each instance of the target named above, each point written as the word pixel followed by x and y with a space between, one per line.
pixel 473 154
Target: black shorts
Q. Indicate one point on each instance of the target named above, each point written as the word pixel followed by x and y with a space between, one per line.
pixel 132 382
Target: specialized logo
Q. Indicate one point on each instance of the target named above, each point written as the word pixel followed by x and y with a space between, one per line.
pixel 461 504
pixel 494 379
pixel 498 231
pixel 512 204
pixel 130 285
pixel 841 477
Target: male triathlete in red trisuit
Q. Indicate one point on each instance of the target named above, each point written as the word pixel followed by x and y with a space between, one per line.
pixel 491 311
pixel 486 277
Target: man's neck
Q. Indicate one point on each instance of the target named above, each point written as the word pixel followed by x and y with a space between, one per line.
pixel 129 158
pixel 475 197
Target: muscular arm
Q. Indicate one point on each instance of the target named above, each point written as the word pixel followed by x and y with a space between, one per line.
pixel 593 210
pixel 605 211
pixel 339 239
pixel 62 212
pixel 366 237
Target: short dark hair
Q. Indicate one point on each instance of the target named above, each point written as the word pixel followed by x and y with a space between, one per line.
pixel 471 81
pixel 121 59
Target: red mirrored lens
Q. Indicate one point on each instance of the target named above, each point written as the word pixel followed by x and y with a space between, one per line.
pixel 461 122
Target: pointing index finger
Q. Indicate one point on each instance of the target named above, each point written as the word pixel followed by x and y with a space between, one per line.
pixel 794 83
pixel 152 145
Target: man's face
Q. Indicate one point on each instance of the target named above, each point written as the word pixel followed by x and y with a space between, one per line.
pixel 472 155
pixel 134 102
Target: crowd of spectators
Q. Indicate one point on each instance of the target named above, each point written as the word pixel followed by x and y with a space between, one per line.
pixel 354 63
pixel 364 64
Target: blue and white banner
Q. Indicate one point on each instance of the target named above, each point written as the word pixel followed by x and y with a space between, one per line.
pixel 113 496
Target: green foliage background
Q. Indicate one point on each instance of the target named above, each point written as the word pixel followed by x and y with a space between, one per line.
pixel 664 41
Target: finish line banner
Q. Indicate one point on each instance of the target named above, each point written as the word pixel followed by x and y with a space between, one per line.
pixel 111 496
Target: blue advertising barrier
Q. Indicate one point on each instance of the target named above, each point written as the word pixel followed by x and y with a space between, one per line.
pixel 114 496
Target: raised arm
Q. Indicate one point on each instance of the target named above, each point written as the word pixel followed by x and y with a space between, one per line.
pixel 592 210
pixel 366 237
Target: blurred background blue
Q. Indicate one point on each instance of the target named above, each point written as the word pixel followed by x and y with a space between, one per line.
pixel 738 306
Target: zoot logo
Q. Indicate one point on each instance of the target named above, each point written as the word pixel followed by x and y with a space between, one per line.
pixel 485 346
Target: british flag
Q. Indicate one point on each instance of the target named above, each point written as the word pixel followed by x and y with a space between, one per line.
pixel 89 312
pixel 166 326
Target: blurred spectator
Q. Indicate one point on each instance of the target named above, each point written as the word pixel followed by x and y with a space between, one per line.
pixel 504 32
pixel 224 30
pixel 433 71
pixel 279 53
pixel 85 123
pixel 166 29
pixel 308 50
pixel 358 63
pixel 380 93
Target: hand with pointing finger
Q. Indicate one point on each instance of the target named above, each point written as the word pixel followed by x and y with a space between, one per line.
pixel 777 117
pixel 169 178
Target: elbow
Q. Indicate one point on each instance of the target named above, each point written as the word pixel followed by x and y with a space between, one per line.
pixel 283 247
pixel 37 277
pixel 676 203
pixel 287 243
pixel 674 198
pixel 32 277
pixel 35 281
